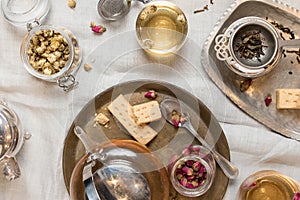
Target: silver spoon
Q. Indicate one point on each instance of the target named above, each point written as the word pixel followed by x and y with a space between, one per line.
pixel 168 106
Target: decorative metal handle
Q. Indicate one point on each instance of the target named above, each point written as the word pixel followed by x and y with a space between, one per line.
pixel 11 168
pixel 67 82
pixel 222 48
pixel 30 26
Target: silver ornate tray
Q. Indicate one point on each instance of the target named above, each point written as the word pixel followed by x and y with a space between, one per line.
pixel 285 75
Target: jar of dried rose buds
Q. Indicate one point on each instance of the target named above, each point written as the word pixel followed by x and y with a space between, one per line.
pixel 192 173
pixel 51 54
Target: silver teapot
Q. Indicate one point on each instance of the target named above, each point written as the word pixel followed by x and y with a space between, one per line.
pixel 11 140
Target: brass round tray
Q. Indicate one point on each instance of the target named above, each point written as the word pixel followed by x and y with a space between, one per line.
pixel 168 142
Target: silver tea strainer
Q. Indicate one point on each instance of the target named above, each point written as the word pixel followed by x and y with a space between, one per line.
pixel 113 10
pixel 251 47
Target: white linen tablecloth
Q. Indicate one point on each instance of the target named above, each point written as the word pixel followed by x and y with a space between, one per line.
pixel 47 112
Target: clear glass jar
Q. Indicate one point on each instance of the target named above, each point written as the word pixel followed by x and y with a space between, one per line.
pixel 21 12
pixel 63 76
pixel 30 14
pixel 181 177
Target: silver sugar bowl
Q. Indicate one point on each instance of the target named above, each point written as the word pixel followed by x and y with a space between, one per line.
pixel 12 138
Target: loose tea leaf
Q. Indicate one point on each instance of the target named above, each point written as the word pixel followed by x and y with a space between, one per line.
pixel 201 10
pixel 251 45
pixel 284 29
pixel 245 85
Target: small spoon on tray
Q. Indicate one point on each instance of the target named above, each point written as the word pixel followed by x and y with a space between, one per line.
pixel 168 106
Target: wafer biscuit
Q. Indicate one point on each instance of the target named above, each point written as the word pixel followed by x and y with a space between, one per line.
pixel 288 98
pixel 122 110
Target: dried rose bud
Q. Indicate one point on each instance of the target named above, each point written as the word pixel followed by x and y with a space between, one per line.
pixel 183 181
pixel 190 186
pixel 190 178
pixel 268 100
pixel 196 149
pixel 97 28
pixel 175 123
pixel 196 166
pixel 182 120
pixel 195 184
pixel 179 176
pixel 202 169
pixel 176 117
pixel 186 152
pixel 151 94
pixel 190 147
pixel 189 163
pixel 252 185
pixel 297 196
pixel 188 171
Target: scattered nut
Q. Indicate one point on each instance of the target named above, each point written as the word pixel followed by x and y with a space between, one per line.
pixel 48 52
pixel 87 67
pixel 72 3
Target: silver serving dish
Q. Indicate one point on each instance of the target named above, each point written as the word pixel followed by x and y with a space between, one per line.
pixel 11 140
pixel 284 75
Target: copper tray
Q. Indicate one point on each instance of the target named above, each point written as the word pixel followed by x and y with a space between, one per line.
pixel 284 75
pixel 169 140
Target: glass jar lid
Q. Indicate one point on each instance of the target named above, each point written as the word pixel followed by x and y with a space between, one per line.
pixel 20 13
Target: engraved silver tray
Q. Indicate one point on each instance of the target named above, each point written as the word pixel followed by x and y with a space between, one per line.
pixel 285 75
